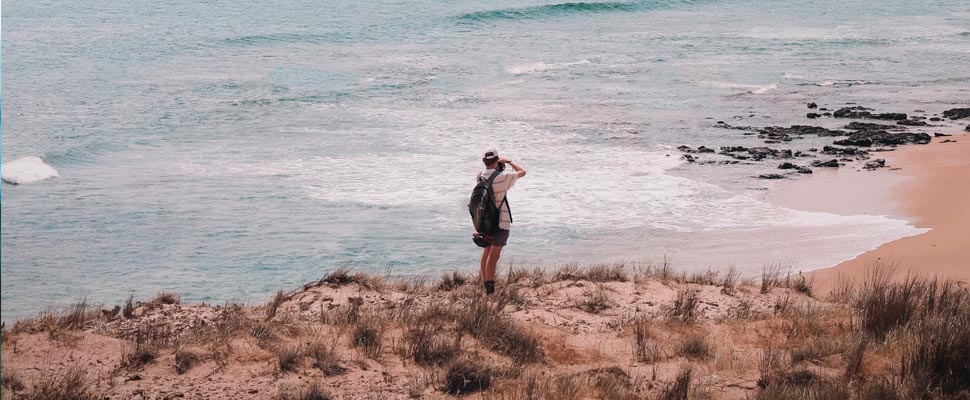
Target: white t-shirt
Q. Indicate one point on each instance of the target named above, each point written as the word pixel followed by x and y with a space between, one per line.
pixel 502 183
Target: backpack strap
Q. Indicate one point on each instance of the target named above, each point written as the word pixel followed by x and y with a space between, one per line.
pixel 505 200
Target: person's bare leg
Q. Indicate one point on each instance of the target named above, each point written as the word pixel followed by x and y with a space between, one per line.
pixel 481 271
pixel 493 255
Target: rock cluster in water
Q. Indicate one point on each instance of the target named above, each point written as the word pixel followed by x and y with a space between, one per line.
pixel 852 143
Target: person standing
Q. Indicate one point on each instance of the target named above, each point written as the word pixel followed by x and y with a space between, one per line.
pixel 500 186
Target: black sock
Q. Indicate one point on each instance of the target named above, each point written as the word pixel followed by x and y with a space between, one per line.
pixel 489 287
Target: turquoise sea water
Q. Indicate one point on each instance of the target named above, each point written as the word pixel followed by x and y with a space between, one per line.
pixel 225 150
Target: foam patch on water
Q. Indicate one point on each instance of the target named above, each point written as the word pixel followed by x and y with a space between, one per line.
pixel 531 68
pixel 26 170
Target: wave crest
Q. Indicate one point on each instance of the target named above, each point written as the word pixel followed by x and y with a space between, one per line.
pixel 549 10
pixel 26 170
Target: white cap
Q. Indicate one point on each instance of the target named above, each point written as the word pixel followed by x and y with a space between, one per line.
pixel 490 154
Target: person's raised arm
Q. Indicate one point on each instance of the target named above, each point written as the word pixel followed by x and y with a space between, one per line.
pixel 516 167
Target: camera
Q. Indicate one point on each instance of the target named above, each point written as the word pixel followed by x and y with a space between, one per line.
pixel 500 166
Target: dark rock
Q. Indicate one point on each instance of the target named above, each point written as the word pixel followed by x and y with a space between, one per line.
pixel 949 141
pixel 813 149
pixel 812 105
pixel 771 176
pixel 733 149
pixel 868 126
pixel 689 158
pixel 704 149
pixel 919 111
pixel 829 163
pixel 852 112
pixel 957 113
pixel 863 112
pixel 842 151
pixel 877 163
pixel 911 122
pixel 685 148
pixel 803 170
pixel 720 122
pixel 855 140
pixel 967 129
pixel 787 165
pixel 936 119
pixel 778 132
pixel 938 134
pixel 823 109
pixel 827 114
pixel 883 138
pixel 813 115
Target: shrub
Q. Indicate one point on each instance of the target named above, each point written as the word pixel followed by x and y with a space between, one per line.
pixel 288 356
pixel 69 383
pixel 937 357
pixel 644 349
pixel 273 306
pixel 184 360
pixel 685 307
pixel 368 335
pixel 485 322
pixel 451 282
pixel 144 344
pixel 312 391
pixel 167 298
pixel 595 300
pixel 325 358
pixel 694 346
pixel 427 347
pixel 680 387
pixel 466 376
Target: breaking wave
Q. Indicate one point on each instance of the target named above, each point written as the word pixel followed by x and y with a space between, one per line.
pixel 26 170
pixel 565 9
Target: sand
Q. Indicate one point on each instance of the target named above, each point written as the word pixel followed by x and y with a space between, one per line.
pixel 928 185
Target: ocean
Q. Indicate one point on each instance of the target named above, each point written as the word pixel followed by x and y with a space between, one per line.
pixel 226 150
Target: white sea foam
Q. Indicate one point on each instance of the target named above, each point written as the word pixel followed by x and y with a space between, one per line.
pixel 26 170
pixel 531 68
pixel 765 89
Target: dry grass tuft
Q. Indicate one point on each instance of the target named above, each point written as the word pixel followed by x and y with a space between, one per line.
pixel 273 306
pixel 185 360
pixel 695 346
pixel 680 387
pixel 68 383
pixel 597 273
pixel 312 391
pixel 288 356
pixel 167 298
pixel 451 281
pixel 685 308
pixel 595 300
pixel 368 335
pixel 484 320
pixel 645 349
pixel 467 376
pixel 325 357
pixel 425 345
pixel 342 276
pixel 11 380
pixel 144 344
pixel 803 384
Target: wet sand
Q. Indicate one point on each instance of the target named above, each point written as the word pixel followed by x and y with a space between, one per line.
pixel 930 188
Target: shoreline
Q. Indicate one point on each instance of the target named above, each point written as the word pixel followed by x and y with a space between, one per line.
pixel 921 184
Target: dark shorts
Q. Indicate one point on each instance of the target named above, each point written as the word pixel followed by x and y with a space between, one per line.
pixel 500 238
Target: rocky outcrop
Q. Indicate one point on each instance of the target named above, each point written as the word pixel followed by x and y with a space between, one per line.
pixel 830 163
pixel 957 113
pixel 883 138
pixel 863 112
pixel 874 164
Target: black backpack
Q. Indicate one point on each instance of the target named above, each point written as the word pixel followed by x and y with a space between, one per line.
pixel 485 216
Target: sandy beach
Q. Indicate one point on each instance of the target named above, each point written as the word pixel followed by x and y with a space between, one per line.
pixel 927 185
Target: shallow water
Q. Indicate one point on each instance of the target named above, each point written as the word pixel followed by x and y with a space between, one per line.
pixel 225 151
